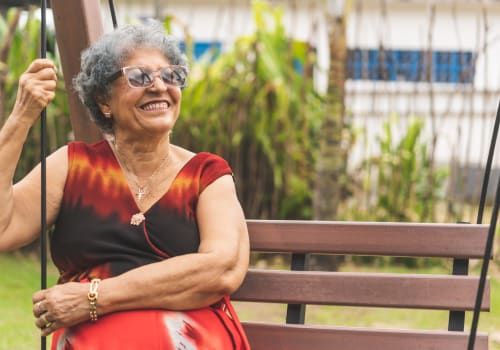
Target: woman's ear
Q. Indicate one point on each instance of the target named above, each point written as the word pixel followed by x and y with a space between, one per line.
pixel 104 107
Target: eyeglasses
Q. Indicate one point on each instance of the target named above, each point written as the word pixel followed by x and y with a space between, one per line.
pixel 141 77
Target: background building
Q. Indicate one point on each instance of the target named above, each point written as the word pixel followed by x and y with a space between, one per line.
pixel 431 59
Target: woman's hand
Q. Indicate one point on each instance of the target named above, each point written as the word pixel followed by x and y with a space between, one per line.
pixel 63 305
pixel 37 87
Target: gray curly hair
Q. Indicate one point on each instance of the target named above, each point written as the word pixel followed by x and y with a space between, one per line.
pixel 108 54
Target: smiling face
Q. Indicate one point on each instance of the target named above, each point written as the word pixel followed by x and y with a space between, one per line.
pixel 143 112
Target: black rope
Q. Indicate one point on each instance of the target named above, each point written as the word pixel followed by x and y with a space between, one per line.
pixel 491 231
pixel 487 171
pixel 484 269
pixel 113 14
pixel 43 155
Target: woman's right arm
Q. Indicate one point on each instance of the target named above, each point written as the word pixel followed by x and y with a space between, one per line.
pixel 20 203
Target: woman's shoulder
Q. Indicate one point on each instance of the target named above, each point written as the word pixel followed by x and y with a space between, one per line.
pixel 83 145
pixel 88 149
pixel 200 159
pixel 188 157
pixel 204 166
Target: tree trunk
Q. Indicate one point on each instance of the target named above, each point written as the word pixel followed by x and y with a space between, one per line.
pixel 331 163
pixel 332 159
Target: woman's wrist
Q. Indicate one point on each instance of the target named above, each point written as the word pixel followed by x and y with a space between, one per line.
pixel 21 121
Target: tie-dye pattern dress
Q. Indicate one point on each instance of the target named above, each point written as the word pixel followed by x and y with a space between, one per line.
pixel 94 238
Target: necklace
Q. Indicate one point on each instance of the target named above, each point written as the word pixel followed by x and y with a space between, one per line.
pixel 142 190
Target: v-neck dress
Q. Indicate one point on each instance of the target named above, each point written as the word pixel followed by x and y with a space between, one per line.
pixel 94 238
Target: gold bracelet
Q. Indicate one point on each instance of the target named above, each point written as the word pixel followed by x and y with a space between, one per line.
pixel 92 296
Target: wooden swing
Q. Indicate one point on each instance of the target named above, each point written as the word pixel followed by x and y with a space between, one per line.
pixel 78 23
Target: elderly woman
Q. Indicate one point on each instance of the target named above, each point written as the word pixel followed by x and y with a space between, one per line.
pixel 149 238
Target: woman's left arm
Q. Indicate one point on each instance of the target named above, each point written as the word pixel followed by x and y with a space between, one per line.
pixel 193 280
pixel 183 282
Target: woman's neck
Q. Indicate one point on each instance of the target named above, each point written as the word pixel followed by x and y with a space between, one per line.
pixel 141 158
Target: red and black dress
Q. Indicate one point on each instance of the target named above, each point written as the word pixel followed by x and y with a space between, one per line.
pixel 94 238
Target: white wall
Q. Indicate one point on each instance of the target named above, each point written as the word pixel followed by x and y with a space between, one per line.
pixel 461 116
pixel 407 26
pixel 222 20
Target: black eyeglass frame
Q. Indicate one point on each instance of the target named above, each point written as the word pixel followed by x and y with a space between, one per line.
pixel 123 71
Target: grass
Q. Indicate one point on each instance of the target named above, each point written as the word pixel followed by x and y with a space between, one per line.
pixel 20 278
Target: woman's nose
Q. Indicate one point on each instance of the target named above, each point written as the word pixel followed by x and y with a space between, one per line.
pixel 158 82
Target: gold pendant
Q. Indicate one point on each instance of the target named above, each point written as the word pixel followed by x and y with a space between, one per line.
pixel 137 219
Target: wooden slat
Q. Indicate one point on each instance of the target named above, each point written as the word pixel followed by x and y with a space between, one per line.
pixel 78 23
pixel 433 292
pixel 369 238
pixel 299 337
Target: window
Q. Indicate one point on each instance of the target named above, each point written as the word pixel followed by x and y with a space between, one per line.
pixel 455 67
pixel 200 48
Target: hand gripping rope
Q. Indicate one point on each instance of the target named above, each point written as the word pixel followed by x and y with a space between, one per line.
pixel 43 154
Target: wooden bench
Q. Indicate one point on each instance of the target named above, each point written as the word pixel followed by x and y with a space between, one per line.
pixel 455 292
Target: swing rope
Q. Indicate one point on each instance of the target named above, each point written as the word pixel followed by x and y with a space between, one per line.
pixel 487 171
pixel 491 231
pixel 113 13
pixel 484 269
pixel 43 156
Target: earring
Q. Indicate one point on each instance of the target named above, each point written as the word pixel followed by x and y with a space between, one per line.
pixel 107 114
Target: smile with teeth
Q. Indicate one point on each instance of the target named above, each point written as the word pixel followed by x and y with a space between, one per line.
pixel 155 106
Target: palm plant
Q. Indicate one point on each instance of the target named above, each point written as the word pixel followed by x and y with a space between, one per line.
pixel 398 177
pixel 256 106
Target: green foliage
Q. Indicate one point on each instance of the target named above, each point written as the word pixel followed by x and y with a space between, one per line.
pixel 401 182
pixel 255 108
pixel 22 50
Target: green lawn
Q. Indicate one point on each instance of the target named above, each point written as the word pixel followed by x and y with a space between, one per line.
pixel 20 278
